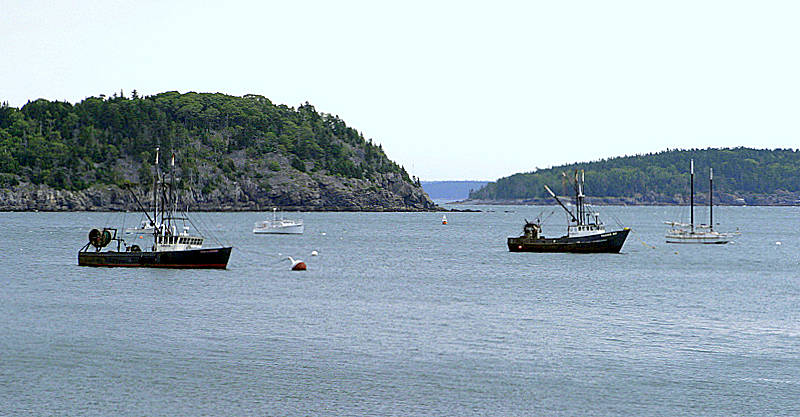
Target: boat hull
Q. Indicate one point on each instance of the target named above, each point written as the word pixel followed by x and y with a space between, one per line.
pixel 698 240
pixel 281 230
pixel 609 242
pixel 215 258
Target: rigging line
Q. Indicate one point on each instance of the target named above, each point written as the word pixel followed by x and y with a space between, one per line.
pixel 210 232
pixel 215 236
pixel 548 216
pixel 206 227
pixel 619 223
pixel 202 229
pixel 256 256
pixel 617 220
pixel 643 242
pixel 108 218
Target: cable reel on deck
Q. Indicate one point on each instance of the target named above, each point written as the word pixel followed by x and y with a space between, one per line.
pixel 100 239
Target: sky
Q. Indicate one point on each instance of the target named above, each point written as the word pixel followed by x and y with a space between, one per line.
pixel 453 90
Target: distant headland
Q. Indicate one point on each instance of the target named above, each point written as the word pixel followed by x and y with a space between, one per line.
pixel 446 191
pixel 742 176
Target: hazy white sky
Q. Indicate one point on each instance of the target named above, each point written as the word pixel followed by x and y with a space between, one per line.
pixel 453 90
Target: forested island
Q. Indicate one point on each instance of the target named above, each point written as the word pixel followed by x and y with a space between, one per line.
pixel 233 153
pixel 741 176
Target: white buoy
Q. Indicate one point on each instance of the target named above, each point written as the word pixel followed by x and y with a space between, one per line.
pixel 324 234
pixel 314 253
pixel 778 243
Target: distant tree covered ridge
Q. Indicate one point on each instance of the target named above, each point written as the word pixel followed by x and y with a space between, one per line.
pixel 218 139
pixel 663 175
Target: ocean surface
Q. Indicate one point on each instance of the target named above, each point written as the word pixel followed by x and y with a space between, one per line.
pixel 402 316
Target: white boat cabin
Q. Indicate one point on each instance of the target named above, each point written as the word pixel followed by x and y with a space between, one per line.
pixel 175 242
pixel 585 230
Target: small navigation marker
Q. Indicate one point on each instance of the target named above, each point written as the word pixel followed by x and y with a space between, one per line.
pixel 444 219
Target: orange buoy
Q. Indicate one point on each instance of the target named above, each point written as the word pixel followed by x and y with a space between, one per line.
pixel 297 265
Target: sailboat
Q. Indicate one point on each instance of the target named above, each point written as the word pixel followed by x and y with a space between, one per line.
pixel 171 247
pixel 702 233
pixel 585 233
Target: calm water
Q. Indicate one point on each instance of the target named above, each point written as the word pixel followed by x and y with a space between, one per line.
pixel 400 315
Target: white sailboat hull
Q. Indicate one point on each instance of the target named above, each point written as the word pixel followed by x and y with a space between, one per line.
pixel 698 240
pixel 699 237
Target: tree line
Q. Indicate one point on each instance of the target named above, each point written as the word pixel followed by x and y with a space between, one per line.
pixel 736 170
pixel 100 139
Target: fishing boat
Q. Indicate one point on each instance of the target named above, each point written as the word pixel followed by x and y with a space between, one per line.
pixel 701 233
pixel 173 246
pixel 585 232
pixel 279 226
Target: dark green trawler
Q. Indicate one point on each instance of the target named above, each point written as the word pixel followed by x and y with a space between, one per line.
pixel 171 247
pixel 585 233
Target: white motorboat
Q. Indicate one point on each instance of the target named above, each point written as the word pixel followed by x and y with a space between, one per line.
pixel 279 226
pixel 145 227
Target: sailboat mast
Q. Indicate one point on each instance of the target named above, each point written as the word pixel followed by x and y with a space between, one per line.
pixel 691 196
pixel 710 197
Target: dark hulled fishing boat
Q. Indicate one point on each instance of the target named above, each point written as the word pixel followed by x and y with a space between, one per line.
pixel 585 233
pixel 171 247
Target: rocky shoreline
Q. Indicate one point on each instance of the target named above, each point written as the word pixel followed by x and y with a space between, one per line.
pixel 299 193
pixel 780 198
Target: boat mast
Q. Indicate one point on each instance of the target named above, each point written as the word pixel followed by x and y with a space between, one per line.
pixel 578 186
pixel 172 199
pixel 581 196
pixel 175 206
pixel 155 205
pixel 710 197
pixel 691 197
